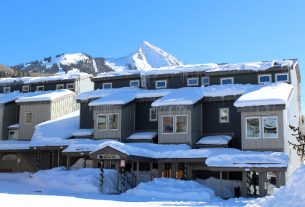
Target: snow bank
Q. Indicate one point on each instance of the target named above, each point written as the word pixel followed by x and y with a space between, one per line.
pixel 172 189
pixel 44 96
pixel 290 195
pixel 216 139
pixel 273 94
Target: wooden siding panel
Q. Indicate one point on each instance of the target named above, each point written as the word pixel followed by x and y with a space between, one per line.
pixel 128 120
pixel 142 117
pixel 86 116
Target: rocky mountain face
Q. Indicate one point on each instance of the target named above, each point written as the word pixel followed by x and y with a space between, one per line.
pixel 145 57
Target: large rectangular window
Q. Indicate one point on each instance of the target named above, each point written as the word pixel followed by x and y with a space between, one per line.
pixel 134 83
pixel 113 121
pixel 226 80
pixel 281 77
pixel 224 115
pixel 265 78
pixel 107 85
pixel 192 82
pixel 168 124
pixel 101 122
pixel 270 127
pixel 152 114
pixel 28 117
pixel 181 124
pixel 253 127
pixel 161 84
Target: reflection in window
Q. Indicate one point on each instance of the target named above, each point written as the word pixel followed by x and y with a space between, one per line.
pixel 224 115
pixel 181 124
pixel 168 124
pixel 253 127
pixel 101 122
pixel 113 121
pixel 270 127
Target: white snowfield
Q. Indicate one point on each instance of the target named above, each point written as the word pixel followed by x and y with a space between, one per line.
pixel 208 68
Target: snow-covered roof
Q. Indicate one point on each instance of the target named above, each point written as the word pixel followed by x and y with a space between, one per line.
pixel 9 97
pixel 14 145
pixel 13 126
pixel 82 133
pixel 44 96
pixel 208 68
pixel 248 159
pixel 142 136
pixel 215 140
pixel 273 94
pixel 70 75
pixel 119 98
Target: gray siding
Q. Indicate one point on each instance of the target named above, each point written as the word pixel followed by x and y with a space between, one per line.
pixel 196 122
pixel 275 144
pixel 211 125
pixel 142 117
pixel 175 138
pixel 9 114
pixel 128 120
pixel 86 116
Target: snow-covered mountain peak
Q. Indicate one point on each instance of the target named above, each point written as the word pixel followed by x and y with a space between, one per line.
pixel 146 57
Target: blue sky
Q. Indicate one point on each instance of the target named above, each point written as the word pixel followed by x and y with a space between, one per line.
pixel 194 31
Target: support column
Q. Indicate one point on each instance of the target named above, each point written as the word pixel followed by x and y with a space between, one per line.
pixel 220 175
pixel 244 185
pixel 262 177
pixel 58 157
pixel 151 168
pixel 280 179
pixel 137 172
pixel 68 162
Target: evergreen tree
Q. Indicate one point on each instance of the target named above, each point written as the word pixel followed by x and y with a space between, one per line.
pixel 299 134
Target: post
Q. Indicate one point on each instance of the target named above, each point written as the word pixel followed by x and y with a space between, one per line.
pixel 58 157
pixel 244 185
pixel 151 167
pixel 137 172
pixel 221 194
pixel 68 162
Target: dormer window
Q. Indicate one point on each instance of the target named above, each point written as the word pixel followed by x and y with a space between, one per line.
pixel 161 84
pixel 6 89
pixel 39 88
pixel 205 81
pixel 265 78
pixel 281 77
pixel 134 83
pixel 192 82
pixel 229 80
pixel 107 85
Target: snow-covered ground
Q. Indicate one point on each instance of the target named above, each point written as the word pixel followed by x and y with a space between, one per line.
pixel 78 188
pixel 62 188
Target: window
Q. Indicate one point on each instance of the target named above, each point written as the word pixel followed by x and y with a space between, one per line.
pixel 59 86
pixel 161 84
pixel 28 117
pixel 227 80
pixel 224 115
pixel 152 114
pixel 107 85
pixel 181 124
pixel 39 88
pixel 253 127
pixel 6 89
pixel 70 86
pixel 266 78
pixel 205 81
pixel 134 83
pixel 25 88
pixel 101 122
pixel 192 82
pixel 13 134
pixel 270 128
pixel 281 77
pixel 168 124
pixel 113 121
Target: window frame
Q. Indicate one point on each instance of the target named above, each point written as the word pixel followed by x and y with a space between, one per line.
pixel 189 79
pixel 150 110
pixel 259 127
pixel 278 74
pixel 108 83
pixel 158 81
pixel 261 75
pixel 230 78
pixel 163 124
pixel 27 86
pixel 5 89
pixel 97 118
pixel 16 131
pixel 138 83
pixel 205 77
pixel 62 85
pixel 40 86
pixel 25 118
pixel 219 120
pixel 277 127
pixel 175 124
pixel 70 84
pixel 108 115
